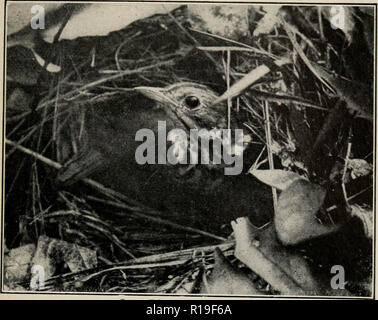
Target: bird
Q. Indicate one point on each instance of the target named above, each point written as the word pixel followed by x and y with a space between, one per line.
pixel 105 148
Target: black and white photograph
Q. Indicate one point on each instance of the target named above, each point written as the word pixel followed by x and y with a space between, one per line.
pixel 188 149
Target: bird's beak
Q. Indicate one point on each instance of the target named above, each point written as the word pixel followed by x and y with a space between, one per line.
pixel 156 94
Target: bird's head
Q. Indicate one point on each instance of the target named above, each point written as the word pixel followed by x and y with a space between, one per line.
pixel 191 102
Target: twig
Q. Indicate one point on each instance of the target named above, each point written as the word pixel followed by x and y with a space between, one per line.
pixel 228 87
pixel 358 193
pixel 93 84
pixel 34 154
pixel 268 135
pixel 262 52
pixel 15 129
pixel 120 47
pixel 55 118
pixel 349 148
pixel 174 258
pixel 162 221
pixel 320 20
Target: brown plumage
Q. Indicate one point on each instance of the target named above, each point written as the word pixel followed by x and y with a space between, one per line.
pixel 106 131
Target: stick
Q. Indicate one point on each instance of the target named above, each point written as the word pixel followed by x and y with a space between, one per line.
pixel 270 154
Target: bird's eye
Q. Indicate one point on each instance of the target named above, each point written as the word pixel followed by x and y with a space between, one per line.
pixel 192 102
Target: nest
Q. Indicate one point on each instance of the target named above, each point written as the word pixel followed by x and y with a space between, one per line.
pixel 139 249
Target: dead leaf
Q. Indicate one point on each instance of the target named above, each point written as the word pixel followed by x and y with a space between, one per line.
pixel 291 263
pixel 227 21
pixel 52 252
pixel 51 67
pixel 225 279
pixel 359 168
pixel 18 102
pixel 275 263
pixel 250 254
pixel 279 179
pixel 268 21
pixel 366 217
pixel 295 218
pixel 340 17
pixel 17 264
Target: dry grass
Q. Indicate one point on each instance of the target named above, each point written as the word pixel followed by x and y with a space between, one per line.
pixel 141 249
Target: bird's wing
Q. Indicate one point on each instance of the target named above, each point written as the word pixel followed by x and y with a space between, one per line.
pixel 80 167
